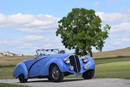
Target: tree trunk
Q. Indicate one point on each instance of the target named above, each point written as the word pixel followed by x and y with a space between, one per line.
pixel 77 51
pixel 91 54
pixel 84 53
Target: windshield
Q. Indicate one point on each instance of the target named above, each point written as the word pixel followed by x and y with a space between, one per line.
pixel 46 52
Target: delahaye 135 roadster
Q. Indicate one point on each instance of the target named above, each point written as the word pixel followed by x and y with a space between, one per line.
pixel 54 66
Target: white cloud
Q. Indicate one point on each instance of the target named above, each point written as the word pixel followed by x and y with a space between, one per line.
pixel 38 31
pixel 120 29
pixel 33 37
pixel 113 2
pixel 125 27
pixel 119 36
pixel 28 23
pixel 114 17
pixel 128 10
pixel 122 40
pixel 36 25
pixel 28 44
pixel 96 3
pixel 2 18
pixel 120 26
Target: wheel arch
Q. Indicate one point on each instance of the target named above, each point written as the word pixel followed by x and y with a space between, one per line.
pixel 60 66
pixel 51 65
pixel 20 69
pixel 90 70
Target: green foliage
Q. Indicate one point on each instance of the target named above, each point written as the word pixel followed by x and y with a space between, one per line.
pixel 81 30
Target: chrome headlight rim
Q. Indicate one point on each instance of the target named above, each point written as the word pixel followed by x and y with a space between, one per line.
pixel 67 61
pixel 85 59
pixel 71 68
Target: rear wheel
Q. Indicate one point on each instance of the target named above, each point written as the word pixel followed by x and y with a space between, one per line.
pixel 49 78
pixel 88 74
pixel 55 74
pixel 22 79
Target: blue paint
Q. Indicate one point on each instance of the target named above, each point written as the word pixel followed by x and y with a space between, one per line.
pixel 40 66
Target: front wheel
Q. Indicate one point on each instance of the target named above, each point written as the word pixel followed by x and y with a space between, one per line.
pixel 22 79
pixel 55 74
pixel 88 74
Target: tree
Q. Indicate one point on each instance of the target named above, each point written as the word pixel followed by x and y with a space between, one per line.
pixel 81 30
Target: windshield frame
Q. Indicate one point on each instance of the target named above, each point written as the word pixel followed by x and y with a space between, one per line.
pixel 43 52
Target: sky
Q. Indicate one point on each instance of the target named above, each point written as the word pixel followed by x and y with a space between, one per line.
pixel 27 25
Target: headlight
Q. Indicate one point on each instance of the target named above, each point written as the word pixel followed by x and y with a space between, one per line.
pixel 85 66
pixel 67 61
pixel 85 59
pixel 71 68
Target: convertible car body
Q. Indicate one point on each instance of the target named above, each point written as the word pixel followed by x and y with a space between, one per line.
pixel 54 66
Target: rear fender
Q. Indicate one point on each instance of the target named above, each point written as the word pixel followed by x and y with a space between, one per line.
pixel 20 69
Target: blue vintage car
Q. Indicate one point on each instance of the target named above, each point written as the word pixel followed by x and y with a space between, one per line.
pixel 54 66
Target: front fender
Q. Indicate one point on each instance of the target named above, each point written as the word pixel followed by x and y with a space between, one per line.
pixel 90 64
pixel 20 69
pixel 59 63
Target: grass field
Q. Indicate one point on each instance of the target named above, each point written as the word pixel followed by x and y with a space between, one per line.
pixel 12 60
pixel 113 53
pixel 118 67
pixel 7 65
pixel 112 59
pixel 10 85
pixel 6 72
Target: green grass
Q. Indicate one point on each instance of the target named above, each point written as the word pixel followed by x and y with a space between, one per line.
pixel 109 60
pixel 10 85
pixel 113 70
pixel 118 67
pixel 6 72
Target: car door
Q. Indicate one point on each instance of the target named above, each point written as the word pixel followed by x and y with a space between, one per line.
pixel 35 68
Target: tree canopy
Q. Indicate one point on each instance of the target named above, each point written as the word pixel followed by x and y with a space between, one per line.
pixel 82 30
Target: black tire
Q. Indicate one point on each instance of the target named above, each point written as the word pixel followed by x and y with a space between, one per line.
pixel 88 74
pixel 49 78
pixel 55 74
pixel 22 79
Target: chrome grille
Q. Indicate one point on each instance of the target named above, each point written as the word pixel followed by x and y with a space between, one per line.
pixel 74 61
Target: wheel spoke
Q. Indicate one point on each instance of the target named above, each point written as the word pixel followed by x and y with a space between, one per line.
pixel 55 72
